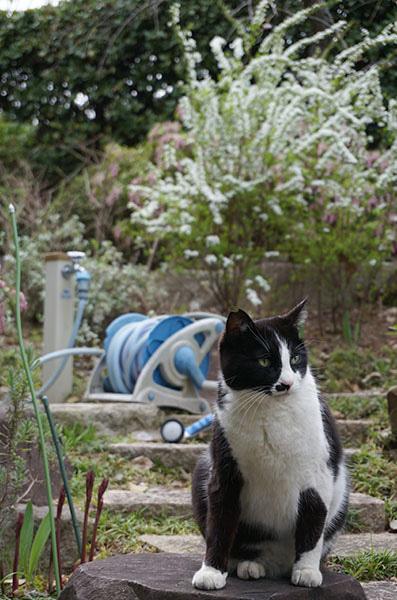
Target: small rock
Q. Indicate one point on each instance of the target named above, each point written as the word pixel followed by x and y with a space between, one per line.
pixel 138 489
pixel 73 399
pixel 143 436
pixel 177 484
pixel 393 526
pixel 370 376
pixel 143 463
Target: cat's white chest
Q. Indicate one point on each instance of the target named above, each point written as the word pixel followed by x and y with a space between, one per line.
pixel 280 451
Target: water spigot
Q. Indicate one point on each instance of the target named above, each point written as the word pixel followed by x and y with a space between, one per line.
pixel 76 256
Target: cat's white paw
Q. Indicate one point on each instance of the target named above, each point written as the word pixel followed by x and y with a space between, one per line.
pixel 249 569
pixel 208 578
pixel 307 577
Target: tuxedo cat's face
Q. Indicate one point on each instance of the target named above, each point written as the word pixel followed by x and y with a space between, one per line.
pixel 265 355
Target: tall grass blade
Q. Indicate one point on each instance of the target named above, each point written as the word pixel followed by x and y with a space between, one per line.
pixel 39 542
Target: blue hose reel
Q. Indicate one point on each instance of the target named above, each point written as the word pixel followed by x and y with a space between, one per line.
pixel 161 360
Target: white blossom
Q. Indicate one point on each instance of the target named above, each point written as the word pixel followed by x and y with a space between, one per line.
pixel 191 253
pixel 210 259
pixel 212 240
pixel 261 281
pixel 253 297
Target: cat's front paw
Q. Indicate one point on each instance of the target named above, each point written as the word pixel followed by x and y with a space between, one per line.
pixel 307 577
pixel 208 578
pixel 249 569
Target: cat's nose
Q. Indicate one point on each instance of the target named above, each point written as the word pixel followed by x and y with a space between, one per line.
pixel 283 387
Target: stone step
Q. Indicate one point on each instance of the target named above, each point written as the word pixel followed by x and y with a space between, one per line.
pixel 348 544
pixel 372 393
pixel 155 501
pixel 112 419
pixel 353 430
pixel 115 419
pixel 171 455
pixel 380 590
pixel 175 455
pixel 371 514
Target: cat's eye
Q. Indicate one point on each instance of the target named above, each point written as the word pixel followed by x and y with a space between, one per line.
pixel 264 362
pixel 295 359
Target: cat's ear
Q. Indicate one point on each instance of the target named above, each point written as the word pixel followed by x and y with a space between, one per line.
pixel 237 322
pixel 297 315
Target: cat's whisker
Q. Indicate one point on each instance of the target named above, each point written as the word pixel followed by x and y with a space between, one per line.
pixel 243 404
pixel 254 400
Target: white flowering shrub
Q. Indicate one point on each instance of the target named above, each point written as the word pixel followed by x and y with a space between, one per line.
pixel 273 139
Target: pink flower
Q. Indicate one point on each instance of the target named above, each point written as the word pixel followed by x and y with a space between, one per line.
pixel 135 198
pixel 117 233
pixel 321 148
pixel 331 218
pixel 114 170
pixel 22 301
pixel 114 195
pixel 371 158
pixel 372 202
pixel 98 179
pixel 151 178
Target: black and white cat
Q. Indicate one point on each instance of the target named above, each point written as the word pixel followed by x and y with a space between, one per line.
pixel 271 494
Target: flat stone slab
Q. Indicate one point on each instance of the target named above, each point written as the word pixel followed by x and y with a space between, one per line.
pixel 175 455
pixel 171 455
pixel 169 576
pixel 155 501
pixel 372 515
pixel 162 500
pixel 380 590
pixel 348 544
pixel 353 430
pixel 109 418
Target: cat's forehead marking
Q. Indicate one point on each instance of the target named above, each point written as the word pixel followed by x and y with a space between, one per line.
pixel 284 353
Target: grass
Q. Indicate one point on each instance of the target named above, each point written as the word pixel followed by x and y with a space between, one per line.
pixel 375 473
pixel 360 407
pixel 119 532
pixel 346 368
pixel 372 469
pixel 367 565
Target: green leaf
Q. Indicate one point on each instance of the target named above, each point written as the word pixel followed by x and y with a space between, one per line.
pixel 39 542
pixel 26 537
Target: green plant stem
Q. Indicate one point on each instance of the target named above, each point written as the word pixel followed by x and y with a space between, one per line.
pixel 33 395
pixel 44 400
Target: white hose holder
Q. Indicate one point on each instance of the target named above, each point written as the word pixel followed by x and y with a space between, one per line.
pixel 58 322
